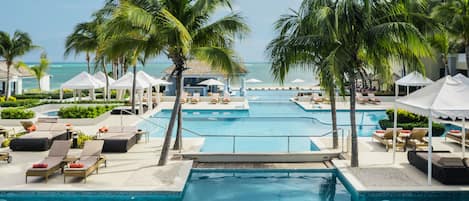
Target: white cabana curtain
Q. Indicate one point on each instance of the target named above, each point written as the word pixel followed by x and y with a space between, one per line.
pixel 80 82
pixel 102 77
pixel 448 97
pixel 126 83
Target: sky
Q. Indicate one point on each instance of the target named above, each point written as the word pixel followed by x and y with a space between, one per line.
pixel 49 22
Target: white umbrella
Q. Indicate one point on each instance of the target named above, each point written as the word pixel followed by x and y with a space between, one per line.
pixel 211 82
pixel 297 81
pixel 253 80
pixel 162 82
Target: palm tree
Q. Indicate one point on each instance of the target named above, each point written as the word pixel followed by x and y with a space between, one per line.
pixel 12 47
pixel 182 30
pixel 83 39
pixel 454 15
pixel 301 45
pixel 40 70
pixel 371 34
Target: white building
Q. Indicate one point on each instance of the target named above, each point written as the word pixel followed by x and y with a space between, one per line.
pixel 16 79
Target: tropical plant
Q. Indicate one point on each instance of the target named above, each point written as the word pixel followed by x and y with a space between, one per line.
pixel 454 15
pixel 368 35
pixel 83 39
pixel 301 45
pixel 40 70
pixel 182 30
pixel 12 47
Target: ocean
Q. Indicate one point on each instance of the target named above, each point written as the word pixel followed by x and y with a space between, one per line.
pixel 61 72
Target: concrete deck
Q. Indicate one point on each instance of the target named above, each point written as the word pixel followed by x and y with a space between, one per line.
pixel 343 106
pixel 377 173
pixel 132 171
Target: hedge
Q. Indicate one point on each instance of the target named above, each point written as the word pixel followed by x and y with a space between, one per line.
pixel 80 112
pixel 44 95
pixel 404 116
pixel 27 103
pixel 17 113
pixel 437 129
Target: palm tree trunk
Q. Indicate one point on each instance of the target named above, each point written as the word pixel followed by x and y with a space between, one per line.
pixel 107 92
pixel 467 59
pixel 7 88
pixel 167 138
pixel 178 142
pixel 39 84
pixel 444 59
pixel 353 123
pixel 134 89
pixel 335 135
pixel 88 61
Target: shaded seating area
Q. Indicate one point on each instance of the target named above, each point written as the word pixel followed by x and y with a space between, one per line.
pixel 456 136
pixel 119 139
pixel 89 161
pixel 45 132
pixel 417 139
pixel 54 161
pixel 445 168
pixel 385 137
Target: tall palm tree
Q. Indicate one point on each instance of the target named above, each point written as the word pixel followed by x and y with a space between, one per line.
pixel 301 44
pixel 182 30
pixel 454 15
pixel 12 47
pixel 40 70
pixel 371 35
pixel 84 38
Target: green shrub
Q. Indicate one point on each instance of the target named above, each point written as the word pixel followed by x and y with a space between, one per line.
pixel 17 113
pixel 27 103
pixel 11 98
pixel 437 129
pixel 44 95
pixel 404 116
pixel 82 138
pixel 6 143
pixel 79 112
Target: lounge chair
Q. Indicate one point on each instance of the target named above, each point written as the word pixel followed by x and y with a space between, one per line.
pixel 53 162
pixel 42 138
pixel 195 98
pixel 5 156
pixel 360 98
pixel 456 136
pixel 183 98
pixel 89 161
pixel 226 98
pixel 416 138
pixel 373 99
pixel 385 137
pixel 215 98
pixel 119 139
pixel 446 169
pixel 317 98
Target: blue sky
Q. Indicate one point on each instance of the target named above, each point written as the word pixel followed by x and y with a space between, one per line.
pixel 50 21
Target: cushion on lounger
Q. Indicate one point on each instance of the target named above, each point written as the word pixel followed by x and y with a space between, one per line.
pixel 405 131
pixel 76 165
pixel 451 162
pixel 32 128
pixel 455 131
pixel 380 131
pixel 40 165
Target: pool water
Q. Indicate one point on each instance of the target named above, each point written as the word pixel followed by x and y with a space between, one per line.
pixel 278 120
pixel 52 113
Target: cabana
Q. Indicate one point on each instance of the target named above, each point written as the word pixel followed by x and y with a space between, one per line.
pixel 445 98
pixel 80 82
pixel 102 77
pixel 141 75
pixel 126 83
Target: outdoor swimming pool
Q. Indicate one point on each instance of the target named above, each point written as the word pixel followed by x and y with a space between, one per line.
pixel 274 125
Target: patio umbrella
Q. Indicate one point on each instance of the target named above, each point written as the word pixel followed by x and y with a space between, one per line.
pixel 253 80
pixel 211 82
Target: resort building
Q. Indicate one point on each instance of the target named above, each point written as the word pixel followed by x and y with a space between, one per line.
pixel 16 78
pixel 198 72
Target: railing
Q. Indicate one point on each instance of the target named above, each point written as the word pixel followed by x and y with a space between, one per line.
pixel 234 137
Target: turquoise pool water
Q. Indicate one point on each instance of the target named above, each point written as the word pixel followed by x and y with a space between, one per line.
pixel 277 120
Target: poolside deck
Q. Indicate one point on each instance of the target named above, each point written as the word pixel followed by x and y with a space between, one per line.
pixel 244 105
pixel 377 173
pixel 132 171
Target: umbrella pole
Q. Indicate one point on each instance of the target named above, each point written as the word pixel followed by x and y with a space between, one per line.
pixel 463 137
pixel 429 172
pixel 394 131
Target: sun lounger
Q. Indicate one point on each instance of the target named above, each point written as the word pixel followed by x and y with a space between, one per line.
pixel 89 161
pixel 416 139
pixel 183 98
pixel 215 98
pixel 226 98
pixel 53 162
pixel 119 139
pixel 446 169
pixel 360 98
pixel 373 99
pixel 317 98
pixel 41 139
pixel 456 136
pixel 385 137
pixel 195 98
